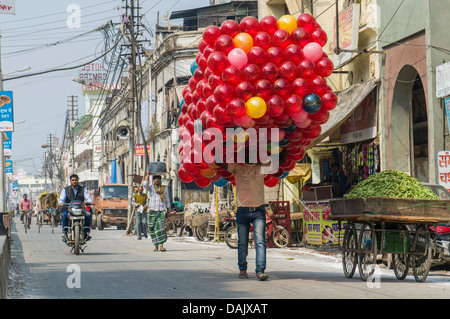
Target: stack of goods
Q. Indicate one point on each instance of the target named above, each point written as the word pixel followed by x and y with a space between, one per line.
pixel 257 76
pixel 393 184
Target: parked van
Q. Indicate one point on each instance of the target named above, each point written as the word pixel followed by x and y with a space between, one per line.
pixel 111 206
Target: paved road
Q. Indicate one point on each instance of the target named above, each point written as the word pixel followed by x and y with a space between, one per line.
pixel 118 266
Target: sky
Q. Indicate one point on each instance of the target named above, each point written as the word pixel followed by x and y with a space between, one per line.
pixel 40 102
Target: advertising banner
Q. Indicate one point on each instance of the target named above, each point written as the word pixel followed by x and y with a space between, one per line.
pixel 7 144
pixel 444 169
pixel 319 229
pixel 9 168
pixel 139 150
pixel 6 111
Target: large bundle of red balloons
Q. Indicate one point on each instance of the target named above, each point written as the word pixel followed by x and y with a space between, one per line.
pixel 256 74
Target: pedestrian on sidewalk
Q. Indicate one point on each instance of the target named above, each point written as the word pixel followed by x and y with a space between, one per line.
pixel 139 202
pixel 158 208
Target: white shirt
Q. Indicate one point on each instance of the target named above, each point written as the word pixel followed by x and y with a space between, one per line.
pixel 154 201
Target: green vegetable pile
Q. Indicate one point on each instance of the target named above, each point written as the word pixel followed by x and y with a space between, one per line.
pixel 393 184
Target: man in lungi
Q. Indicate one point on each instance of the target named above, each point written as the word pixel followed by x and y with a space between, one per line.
pixel 158 206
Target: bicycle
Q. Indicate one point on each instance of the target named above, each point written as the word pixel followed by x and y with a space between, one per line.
pixel 26 219
pixel 277 233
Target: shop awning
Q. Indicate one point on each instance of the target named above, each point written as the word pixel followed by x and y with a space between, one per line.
pixel 348 101
pixel 301 172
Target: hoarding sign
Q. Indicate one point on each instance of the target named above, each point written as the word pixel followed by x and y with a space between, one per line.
pixel 447 111
pixel 348 20
pixel 7 144
pixel 6 111
pixel 320 229
pixel 139 150
pixel 443 80
pixel 7 6
pixel 444 169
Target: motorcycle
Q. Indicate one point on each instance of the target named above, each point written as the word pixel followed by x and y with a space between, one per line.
pixel 75 237
pixel 442 236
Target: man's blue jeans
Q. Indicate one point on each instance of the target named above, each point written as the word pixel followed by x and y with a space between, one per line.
pixel 141 223
pixel 257 218
pixel 87 222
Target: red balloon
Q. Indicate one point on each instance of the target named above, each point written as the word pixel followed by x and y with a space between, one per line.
pixel 319 36
pixel 320 117
pixel 294 136
pixel 202 181
pixel 190 126
pixel 201 46
pixel 314 133
pixel 263 89
pixel 230 27
pixel 217 62
pixel 251 73
pixel 288 70
pixel 224 93
pixel 207 90
pixel 269 24
pixel 281 39
pixel 272 182
pixel 257 55
pixel 204 117
pixel 324 67
pixel 215 80
pixel 307 22
pixel 224 44
pixel 269 71
pixel 262 39
pixel 184 176
pixel 275 55
pixel 301 87
pixel 236 108
pixel 211 103
pixel 231 75
pixel 210 34
pixel 244 90
pixel 211 122
pixel 250 25
pixel 202 64
pixel 199 87
pixel 192 84
pixel 294 53
pixel 198 74
pixel 319 84
pixel 297 157
pixel 280 119
pixel 293 104
pixel 306 69
pixel 275 106
pixel 221 114
pixel 329 100
pixel 300 36
pixel 282 87
pixel 207 51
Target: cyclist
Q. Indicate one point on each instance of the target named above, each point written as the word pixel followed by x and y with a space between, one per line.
pixel 25 207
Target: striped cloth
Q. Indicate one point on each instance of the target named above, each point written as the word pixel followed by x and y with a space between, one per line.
pixel 156 223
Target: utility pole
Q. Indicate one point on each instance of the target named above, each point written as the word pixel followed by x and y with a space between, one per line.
pixel 72 104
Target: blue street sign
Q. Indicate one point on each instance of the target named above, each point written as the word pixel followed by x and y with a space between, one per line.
pixel 6 111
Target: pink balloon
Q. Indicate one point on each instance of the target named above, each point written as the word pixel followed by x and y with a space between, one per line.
pixel 281 134
pixel 238 58
pixel 312 51
pixel 303 124
pixel 300 116
pixel 243 121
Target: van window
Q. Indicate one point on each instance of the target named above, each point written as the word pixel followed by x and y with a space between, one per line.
pixel 113 191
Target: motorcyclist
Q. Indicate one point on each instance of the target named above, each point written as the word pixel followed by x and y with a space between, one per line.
pixel 75 192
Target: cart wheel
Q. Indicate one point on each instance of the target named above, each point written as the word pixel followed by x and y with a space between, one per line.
pixel 202 231
pixel 367 245
pixel 170 228
pixel 421 259
pixel 349 256
pixel 401 261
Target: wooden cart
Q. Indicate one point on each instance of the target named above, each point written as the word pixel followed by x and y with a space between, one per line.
pixel 396 226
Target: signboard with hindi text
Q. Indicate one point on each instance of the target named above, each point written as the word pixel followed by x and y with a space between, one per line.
pixel 443 166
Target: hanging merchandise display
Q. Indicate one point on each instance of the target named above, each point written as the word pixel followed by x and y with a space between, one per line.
pixel 361 161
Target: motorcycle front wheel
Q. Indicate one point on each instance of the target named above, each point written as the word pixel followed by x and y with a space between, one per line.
pixel 76 247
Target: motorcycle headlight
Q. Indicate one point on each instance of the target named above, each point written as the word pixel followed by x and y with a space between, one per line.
pixel 76 211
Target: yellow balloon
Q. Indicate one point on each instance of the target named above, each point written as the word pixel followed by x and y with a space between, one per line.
pixel 273 148
pixel 256 107
pixel 243 41
pixel 288 23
